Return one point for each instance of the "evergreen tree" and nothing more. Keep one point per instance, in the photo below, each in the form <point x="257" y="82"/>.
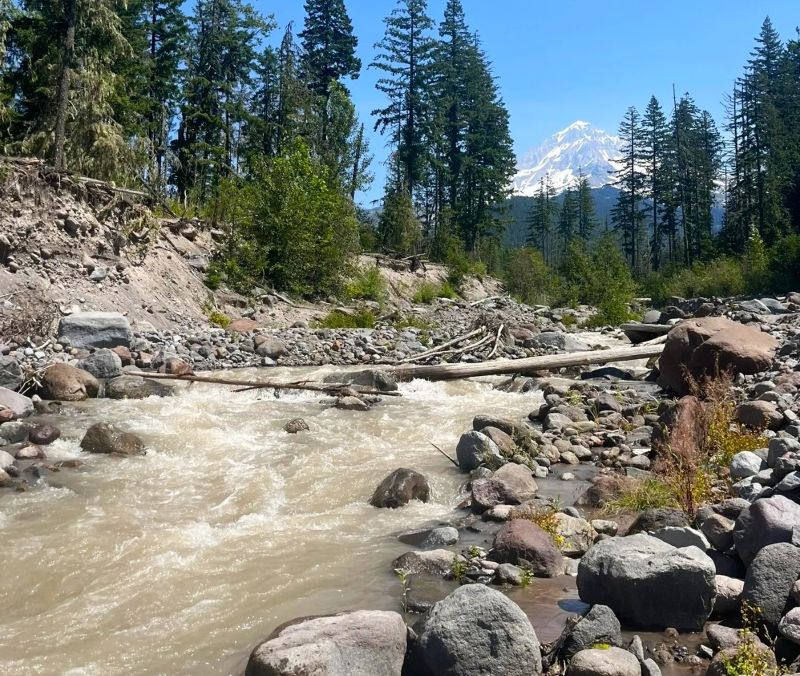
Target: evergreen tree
<point x="587" y="218"/>
<point x="568" y="219"/>
<point x="64" y="84"/>
<point x="404" y="58"/>
<point x="222" y="58"/>
<point x="398" y="227"/>
<point x="540" y="220"/>
<point x="166" y="33"/>
<point x="329" y="46"/>
<point x="627" y="214"/>
<point x="655" y="148"/>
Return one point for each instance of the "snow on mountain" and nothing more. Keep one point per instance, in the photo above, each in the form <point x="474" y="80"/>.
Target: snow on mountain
<point x="579" y="146"/>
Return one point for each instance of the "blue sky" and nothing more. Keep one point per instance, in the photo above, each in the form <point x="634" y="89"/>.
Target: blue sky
<point x="563" y="60"/>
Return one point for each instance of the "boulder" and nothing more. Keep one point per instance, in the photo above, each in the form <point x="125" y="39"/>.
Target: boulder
<point x="136" y="387"/>
<point x="557" y="340"/>
<point x="270" y="347"/>
<point x="296" y="425"/>
<point x="789" y="626"/>
<point x="719" y="665"/>
<point x="438" y="562"/>
<point x="6" y="459"/>
<point x="43" y="435"/>
<point x="745" y="464"/>
<point x="399" y="488"/>
<point x="242" y="326"/>
<point x="758" y="414"/>
<point x="92" y="330"/>
<point x="576" y="535"/>
<point x="510" y="485"/>
<point x="440" y="537"/>
<point x="503" y="441"/>
<point x="351" y="404"/>
<point x="14" y="432"/>
<point x="649" y="583"/>
<point x="477" y="630"/>
<point x="474" y="449"/>
<point x="103" y="364"/>
<point x="372" y="378"/>
<point x="18" y="404"/>
<point x="729" y="595"/>
<point x="731" y="346"/>
<point x="525" y="544"/>
<point x="656" y="518"/>
<point x="599" y="625"/>
<point x="718" y="531"/>
<point x="681" y="536"/>
<point x="11" y="375"/>
<point x="769" y="581"/>
<point x="611" y="661"/>
<point x="359" y="643"/>
<point x="765" y="522"/>
<point x="63" y="382"/>
<point x="780" y="446"/>
<point x="479" y="422"/>
<point x="175" y="366"/>
<point x="106" y="438"/>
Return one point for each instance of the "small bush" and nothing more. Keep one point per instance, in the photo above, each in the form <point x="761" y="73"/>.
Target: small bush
<point x="218" y="318"/>
<point x="641" y="494"/>
<point x="368" y="284"/>
<point x="427" y="292"/>
<point x="544" y="517"/>
<point x="364" y="319"/>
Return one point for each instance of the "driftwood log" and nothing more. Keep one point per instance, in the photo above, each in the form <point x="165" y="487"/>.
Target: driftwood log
<point x="510" y="366"/>
<point x="328" y="388"/>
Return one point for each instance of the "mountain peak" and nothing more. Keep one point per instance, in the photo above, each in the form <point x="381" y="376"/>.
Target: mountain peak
<point x="579" y="147"/>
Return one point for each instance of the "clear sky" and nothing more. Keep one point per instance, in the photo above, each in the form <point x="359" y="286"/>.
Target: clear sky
<point x="563" y="60"/>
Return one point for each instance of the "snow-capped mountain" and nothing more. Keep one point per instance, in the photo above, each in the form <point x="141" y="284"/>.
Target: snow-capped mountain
<point x="579" y="146"/>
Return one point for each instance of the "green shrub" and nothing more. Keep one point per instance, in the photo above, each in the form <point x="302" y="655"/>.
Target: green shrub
<point x="368" y="284"/>
<point x="427" y="292"/>
<point x="528" y="278"/>
<point x="364" y="319"/>
<point x="294" y="229"/>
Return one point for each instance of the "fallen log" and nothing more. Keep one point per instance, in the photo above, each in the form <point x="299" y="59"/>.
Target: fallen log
<point x="639" y="333"/>
<point x="328" y="388"/>
<point x="510" y="366"/>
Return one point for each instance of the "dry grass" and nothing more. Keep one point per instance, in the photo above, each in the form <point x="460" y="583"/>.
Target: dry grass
<point x="31" y="317"/>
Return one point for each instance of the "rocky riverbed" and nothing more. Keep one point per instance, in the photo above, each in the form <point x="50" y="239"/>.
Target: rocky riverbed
<point x="518" y="552"/>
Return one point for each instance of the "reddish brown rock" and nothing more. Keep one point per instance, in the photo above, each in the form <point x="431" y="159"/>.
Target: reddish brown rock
<point x="176" y="366"/>
<point x="700" y="348"/>
<point x="242" y="326"/>
<point x="124" y="354"/>
<point x="63" y="382"/>
<point x="523" y="543"/>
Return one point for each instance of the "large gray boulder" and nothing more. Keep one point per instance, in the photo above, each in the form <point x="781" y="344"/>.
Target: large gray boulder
<point x="604" y="662"/>
<point x="512" y="484"/>
<point x="560" y="341"/>
<point x="437" y="562"/>
<point x="475" y="448"/>
<point x="599" y="625"/>
<point x="103" y="364"/>
<point x="523" y="543"/>
<point x="769" y="581"/>
<point x="648" y="582"/>
<point x="399" y="488"/>
<point x="359" y="643"/>
<point x="763" y="523"/>
<point x="10" y="373"/>
<point x="87" y="330"/>
<point x="477" y="630"/>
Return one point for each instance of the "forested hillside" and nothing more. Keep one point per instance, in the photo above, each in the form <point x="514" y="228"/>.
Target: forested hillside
<point x="221" y="112"/>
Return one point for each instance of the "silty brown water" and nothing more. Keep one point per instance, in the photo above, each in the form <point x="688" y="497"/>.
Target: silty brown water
<point x="180" y="561"/>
